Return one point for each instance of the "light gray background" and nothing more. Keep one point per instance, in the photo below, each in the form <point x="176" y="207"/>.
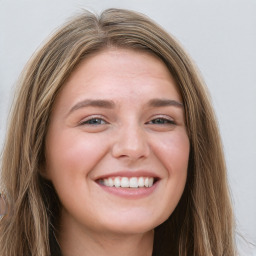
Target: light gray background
<point x="220" y="36"/>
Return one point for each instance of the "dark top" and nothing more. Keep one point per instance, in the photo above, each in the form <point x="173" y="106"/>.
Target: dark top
<point x="160" y="247"/>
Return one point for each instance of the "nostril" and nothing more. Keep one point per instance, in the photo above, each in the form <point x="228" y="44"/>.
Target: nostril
<point x="130" y="151"/>
<point x="130" y="142"/>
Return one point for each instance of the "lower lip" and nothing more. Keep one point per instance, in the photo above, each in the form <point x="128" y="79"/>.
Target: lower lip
<point x="130" y="193"/>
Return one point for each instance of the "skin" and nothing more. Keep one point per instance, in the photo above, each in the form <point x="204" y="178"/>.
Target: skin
<point x="85" y="142"/>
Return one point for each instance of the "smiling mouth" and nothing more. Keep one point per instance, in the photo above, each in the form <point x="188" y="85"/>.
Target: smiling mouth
<point x="128" y="182"/>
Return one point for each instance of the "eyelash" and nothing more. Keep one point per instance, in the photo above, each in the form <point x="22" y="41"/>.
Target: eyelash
<point x="164" y="121"/>
<point x="94" y="121"/>
<point x="91" y="121"/>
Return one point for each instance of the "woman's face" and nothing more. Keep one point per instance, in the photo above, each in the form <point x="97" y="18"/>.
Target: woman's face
<point x="117" y="148"/>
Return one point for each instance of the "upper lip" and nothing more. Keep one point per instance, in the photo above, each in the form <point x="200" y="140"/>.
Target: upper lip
<point x="129" y="173"/>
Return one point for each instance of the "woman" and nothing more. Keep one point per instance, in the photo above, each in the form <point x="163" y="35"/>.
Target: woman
<point x="113" y="148"/>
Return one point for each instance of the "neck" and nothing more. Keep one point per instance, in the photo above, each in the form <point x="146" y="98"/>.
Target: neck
<point x="105" y="244"/>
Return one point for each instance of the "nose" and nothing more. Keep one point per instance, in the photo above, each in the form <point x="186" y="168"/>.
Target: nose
<point x="130" y="143"/>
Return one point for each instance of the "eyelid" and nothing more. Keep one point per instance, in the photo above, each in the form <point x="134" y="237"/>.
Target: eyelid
<point x="91" y="117"/>
<point x="164" y="117"/>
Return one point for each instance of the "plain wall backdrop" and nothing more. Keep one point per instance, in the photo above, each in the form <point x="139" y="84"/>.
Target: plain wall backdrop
<point x="220" y="36"/>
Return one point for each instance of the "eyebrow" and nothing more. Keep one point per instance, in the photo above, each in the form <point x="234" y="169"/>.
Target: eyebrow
<point x="164" y="103"/>
<point x="110" y="104"/>
<point x="93" y="103"/>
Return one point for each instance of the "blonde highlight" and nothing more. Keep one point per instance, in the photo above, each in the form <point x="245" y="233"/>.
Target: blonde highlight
<point x="203" y="220"/>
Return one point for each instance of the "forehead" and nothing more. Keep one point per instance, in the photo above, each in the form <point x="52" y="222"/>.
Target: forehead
<point x="118" y="72"/>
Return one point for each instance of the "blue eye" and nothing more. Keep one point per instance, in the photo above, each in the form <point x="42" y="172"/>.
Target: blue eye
<point x="161" y="121"/>
<point x="94" y="121"/>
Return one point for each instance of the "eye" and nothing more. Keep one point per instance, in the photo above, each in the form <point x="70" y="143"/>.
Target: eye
<point x="94" y="121"/>
<point x="161" y="121"/>
<point x="94" y="124"/>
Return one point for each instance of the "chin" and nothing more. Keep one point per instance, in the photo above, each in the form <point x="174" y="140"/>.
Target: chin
<point x="133" y="224"/>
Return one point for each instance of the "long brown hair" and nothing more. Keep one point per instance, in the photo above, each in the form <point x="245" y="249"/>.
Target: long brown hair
<point x="202" y="223"/>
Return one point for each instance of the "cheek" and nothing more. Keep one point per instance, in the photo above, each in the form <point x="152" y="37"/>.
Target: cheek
<point x="174" y="152"/>
<point x="72" y="154"/>
<point x="70" y="157"/>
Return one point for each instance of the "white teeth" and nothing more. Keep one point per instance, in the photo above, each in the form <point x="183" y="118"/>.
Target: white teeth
<point x="105" y="182"/>
<point x="110" y="182"/>
<point x="141" y="182"/>
<point x="125" y="182"/>
<point x="150" y="182"/>
<point x="117" y="182"/>
<point x="133" y="183"/>
<point x="146" y="182"/>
